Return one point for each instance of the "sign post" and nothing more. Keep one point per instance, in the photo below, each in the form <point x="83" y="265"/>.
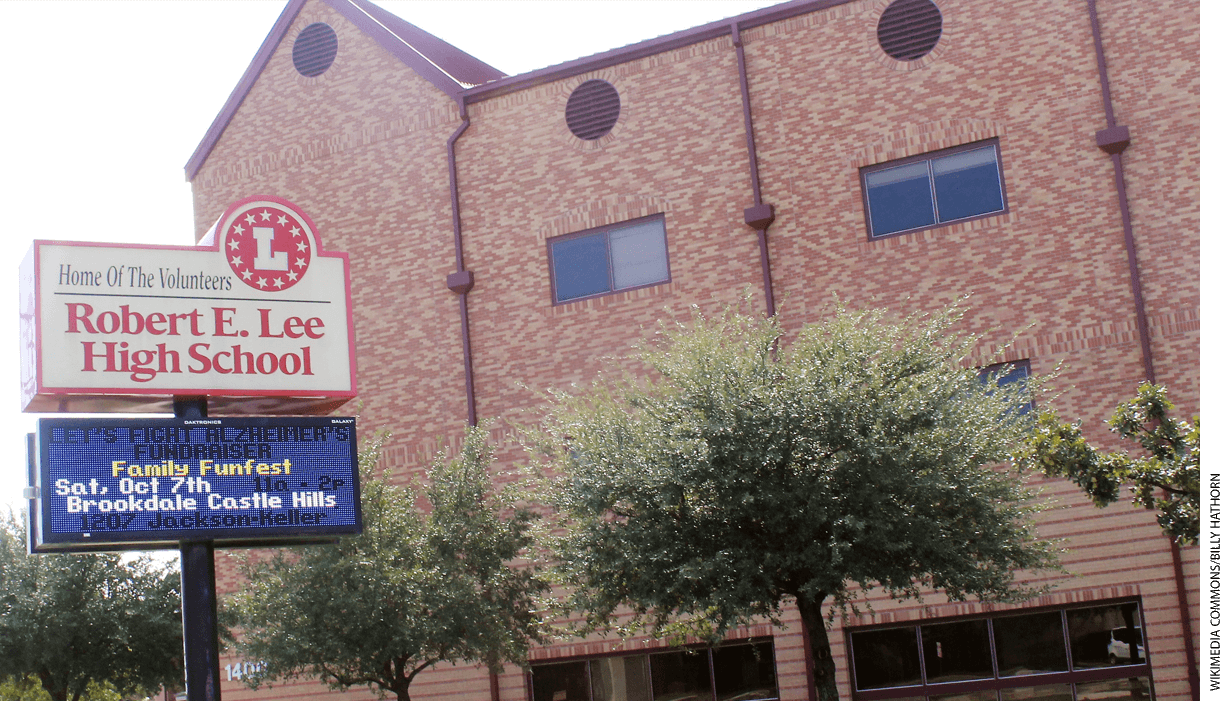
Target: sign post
<point x="198" y="591"/>
<point x="254" y="321"/>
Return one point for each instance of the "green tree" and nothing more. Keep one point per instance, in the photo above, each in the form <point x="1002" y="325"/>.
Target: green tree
<point x="747" y="473"/>
<point x="78" y="622"/>
<point x="30" y="689"/>
<point x="416" y="588"/>
<point x="1170" y="461"/>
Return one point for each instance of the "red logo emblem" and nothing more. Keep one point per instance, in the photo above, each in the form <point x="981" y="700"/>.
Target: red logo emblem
<point x="268" y="246"/>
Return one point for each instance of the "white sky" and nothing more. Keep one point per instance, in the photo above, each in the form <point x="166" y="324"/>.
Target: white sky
<point x="103" y="102"/>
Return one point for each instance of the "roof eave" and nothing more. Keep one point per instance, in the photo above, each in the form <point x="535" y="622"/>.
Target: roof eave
<point x="392" y="33"/>
<point x="645" y="48"/>
<point x="263" y="54"/>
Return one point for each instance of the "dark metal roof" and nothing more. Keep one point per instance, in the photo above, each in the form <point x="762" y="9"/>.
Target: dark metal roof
<point x="448" y="68"/>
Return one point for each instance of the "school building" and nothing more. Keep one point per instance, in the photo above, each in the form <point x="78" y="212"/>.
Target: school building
<point x="507" y="233"/>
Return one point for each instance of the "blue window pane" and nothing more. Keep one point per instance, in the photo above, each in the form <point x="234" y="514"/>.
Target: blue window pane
<point x="899" y="199"/>
<point x="580" y="267"/>
<point x="1010" y="374"/>
<point x="967" y="184"/>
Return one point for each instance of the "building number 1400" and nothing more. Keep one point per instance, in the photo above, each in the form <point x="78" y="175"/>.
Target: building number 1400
<point x="236" y="672"/>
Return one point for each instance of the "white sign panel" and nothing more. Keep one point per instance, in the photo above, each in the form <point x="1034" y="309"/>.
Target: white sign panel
<point x="258" y="319"/>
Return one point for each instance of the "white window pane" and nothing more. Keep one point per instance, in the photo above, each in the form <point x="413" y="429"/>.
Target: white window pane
<point x="638" y="254"/>
<point x="892" y="176"/>
<point x="964" y="161"/>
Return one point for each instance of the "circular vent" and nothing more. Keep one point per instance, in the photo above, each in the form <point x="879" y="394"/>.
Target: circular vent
<point x="909" y="29"/>
<point x="592" y="110"/>
<point x="315" y="49"/>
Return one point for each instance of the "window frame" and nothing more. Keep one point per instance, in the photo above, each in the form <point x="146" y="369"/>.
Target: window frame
<point x="605" y="231"/>
<point x="928" y="157"/>
<point x="996" y="683"/>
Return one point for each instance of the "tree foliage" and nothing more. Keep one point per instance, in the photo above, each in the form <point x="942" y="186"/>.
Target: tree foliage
<point x="1170" y="461"/>
<point x="78" y="622"/>
<point x="416" y="588"/>
<point x="30" y="689"/>
<point x="747" y="473"/>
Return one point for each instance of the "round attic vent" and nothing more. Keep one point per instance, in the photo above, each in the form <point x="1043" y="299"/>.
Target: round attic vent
<point x="909" y="29"/>
<point x="315" y="49"/>
<point x="592" y="110"/>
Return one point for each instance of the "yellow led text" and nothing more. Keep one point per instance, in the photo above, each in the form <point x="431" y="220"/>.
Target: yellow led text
<point x="250" y="467"/>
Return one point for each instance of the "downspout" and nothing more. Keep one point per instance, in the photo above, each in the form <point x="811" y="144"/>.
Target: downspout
<point x="1114" y="139"/>
<point x="760" y="215"/>
<point x="461" y="281"/>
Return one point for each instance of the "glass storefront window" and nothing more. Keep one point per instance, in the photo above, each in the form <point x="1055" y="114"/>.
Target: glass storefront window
<point x="886" y="658"/>
<point x="1047" y="692"/>
<point x="992" y="658"/>
<point x="1105" y="635"/>
<point x="1130" y="689"/>
<point x="566" y="681"/>
<point x="984" y="695"/>
<point x="680" y="676"/>
<point x="957" y="651"/>
<point x="620" y="678"/>
<point x="1030" y="644"/>
<point x="744" y="672"/>
<point x="738" y="671"/>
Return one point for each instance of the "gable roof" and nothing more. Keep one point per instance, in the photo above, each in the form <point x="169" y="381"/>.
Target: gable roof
<point x="448" y="68"/>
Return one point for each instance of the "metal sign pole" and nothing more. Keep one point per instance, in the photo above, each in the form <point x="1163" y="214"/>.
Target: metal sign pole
<point x="199" y="598"/>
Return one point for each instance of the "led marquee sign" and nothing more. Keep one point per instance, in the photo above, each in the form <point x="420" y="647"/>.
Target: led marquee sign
<point x="108" y="484"/>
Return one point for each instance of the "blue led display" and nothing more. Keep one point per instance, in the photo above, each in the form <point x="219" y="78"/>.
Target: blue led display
<point x="148" y="483"/>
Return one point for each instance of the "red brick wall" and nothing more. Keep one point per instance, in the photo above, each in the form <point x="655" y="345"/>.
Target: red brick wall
<point x="362" y="150"/>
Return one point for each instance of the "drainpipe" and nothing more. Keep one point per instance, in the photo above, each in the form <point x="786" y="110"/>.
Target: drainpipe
<point x="1114" y="139"/>
<point x="760" y="215"/>
<point x="461" y="281"/>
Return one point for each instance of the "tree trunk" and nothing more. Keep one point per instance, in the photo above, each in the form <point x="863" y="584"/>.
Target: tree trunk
<point x="823" y="669"/>
<point x="49" y="685"/>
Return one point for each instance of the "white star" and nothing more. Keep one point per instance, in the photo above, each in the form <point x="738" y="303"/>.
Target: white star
<point x="301" y="246"/>
<point x="236" y="261"/>
<point x="239" y="229"/>
<point x="247" y="274"/>
<point x="282" y="219"/>
<point x="279" y="282"/>
<point x="296" y="230"/>
<point x="299" y="262"/>
<point x="292" y="275"/>
<point x="250" y="219"/>
<point x="265" y="215"/>
<point x="233" y="243"/>
<point x="261" y="281"/>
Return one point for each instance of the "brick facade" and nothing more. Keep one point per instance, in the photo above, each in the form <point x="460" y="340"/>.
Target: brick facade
<point x="363" y="149"/>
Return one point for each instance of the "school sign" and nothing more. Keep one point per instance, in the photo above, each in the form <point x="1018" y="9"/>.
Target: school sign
<point x="257" y="319"/>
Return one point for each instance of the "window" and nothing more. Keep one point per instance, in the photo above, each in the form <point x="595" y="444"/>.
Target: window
<point x="1067" y="654"/>
<point x="731" y="672"/>
<point x="1011" y="374"/>
<point x="935" y="189"/>
<point x="608" y="259"/>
